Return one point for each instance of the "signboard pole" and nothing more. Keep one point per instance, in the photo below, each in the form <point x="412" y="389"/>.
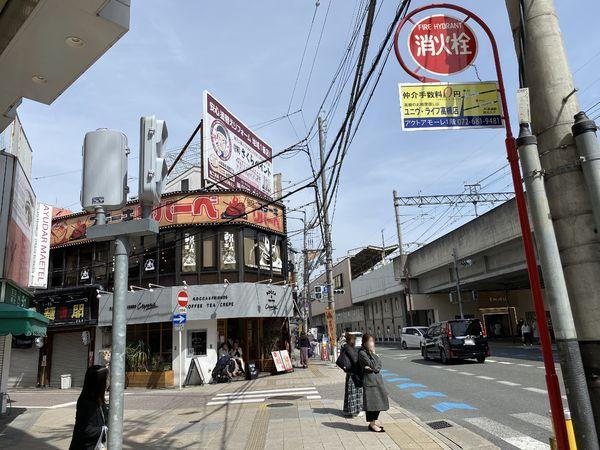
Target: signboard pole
<point x="554" y="395"/>
<point x="180" y="357"/>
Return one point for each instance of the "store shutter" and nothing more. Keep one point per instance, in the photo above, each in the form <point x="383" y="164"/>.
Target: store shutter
<point x="23" y="367"/>
<point x="69" y="356"/>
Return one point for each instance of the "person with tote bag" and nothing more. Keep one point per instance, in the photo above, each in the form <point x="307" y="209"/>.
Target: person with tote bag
<point x="375" y="396"/>
<point x="91" y="415"/>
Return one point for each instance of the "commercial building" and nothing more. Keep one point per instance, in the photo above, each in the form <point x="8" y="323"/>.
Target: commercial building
<point x="233" y="269"/>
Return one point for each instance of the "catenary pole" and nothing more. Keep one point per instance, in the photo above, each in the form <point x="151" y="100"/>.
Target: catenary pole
<point x="457" y="279"/>
<point x="556" y="293"/>
<point x="119" y="331"/>
<point x="554" y="395"/>
<point x="554" y="103"/>
<point x="327" y="234"/>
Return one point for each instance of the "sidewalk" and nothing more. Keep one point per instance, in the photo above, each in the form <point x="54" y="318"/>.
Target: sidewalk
<point x="268" y="413"/>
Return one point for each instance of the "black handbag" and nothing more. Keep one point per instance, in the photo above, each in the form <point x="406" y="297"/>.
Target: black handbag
<point x="343" y="362"/>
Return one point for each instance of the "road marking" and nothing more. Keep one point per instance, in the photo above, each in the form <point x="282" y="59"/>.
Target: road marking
<point x="451" y="370"/>
<point x="536" y="390"/>
<point x="410" y="385"/>
<point x="61" y="405"/>
<point x="313" y="397"/>
<point x="508" y="383"/>
<point x="437" y="367"/>
<point x="275" y="394"/>
<point x="540" y="367"/>
<point x="491" y="360"/>
<point x="395" y="380"/>
<point x="466" y="373"/>
<point x="525" y="365"/>
<point x="425" y="394"/>
<point x="505" y="362"/>
<point x="270" y="391"/>
<point x="483" y="377"/>
<point x="389" y="374"/>
<point x="447" y="406"/>
<point x="535" y="419"/>
<point x="229" y="402"/>
<point x="507" y="434"/>
<point x="400" y="358"/>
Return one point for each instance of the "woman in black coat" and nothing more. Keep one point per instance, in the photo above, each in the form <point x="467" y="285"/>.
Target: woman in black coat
<point x="92" y="413"/>
<point x="353" y="393"/>
<point x="374" y="393"/>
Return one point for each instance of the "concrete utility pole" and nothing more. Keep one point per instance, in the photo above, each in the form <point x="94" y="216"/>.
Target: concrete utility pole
<point x="553" y="105"/>
<point x="326" y="231"/>
<point x="402" y="258"/>
<point x="305" y="274"/>
<point x="557" y="297"/>
<point x="455" y="258"/>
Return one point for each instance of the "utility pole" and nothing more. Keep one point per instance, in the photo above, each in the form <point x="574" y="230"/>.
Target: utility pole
<point x="553" y="106"/>
<point x="455" y="258"/>
<point x="557" y="297"/>
<point x="382" y="248"/>
<point x="327" y="234"/>
<point x="402" y="269"/>
<point x="305" y="273"/>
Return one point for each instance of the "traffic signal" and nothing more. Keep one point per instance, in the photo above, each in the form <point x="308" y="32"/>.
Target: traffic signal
<point x="153" y="167"/>
<point x="104" y="174"/>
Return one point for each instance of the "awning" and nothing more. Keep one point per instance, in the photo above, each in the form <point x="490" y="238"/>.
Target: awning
<point x="18" y="321"/>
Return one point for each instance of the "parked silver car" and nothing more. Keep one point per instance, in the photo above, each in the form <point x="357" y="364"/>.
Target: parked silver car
<point x="413" y="337"/>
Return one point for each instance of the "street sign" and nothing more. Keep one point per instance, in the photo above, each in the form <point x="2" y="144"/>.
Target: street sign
<point x="182" y="310"/>
<point x="450" y="106"/>
<point x="179" y="319"/>
<point x="182" y="298"/>
<point x="442" y="44"/>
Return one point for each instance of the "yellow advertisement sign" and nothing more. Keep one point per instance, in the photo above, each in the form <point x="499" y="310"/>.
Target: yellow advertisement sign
<point x="450" y="106"/>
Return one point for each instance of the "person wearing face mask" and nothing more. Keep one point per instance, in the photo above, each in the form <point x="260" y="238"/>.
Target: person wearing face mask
<point x="375" y="396"/>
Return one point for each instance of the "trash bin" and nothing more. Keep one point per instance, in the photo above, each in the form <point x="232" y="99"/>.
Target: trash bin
<point x="65" y="381"/>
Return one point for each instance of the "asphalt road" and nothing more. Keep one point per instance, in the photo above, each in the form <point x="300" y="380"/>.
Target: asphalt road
<point x="504" y="400"/>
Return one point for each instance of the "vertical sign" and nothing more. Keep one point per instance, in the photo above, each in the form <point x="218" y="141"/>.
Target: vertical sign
<point x="40" y="246"/>
<point x="330" y="326"/>
<point x="229" y="147"/>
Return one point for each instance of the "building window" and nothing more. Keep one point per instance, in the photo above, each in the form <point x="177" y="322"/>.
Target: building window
<point x="197" y="343"/>
<point x="185" y="184"/>
<point x="376" y="311"/>
<point x="188" y="253"/>
<point x="208" y="251"/>
<point x="338" y="281"/>
<point x="228" y="254"/>
<point x="250" y="246"/>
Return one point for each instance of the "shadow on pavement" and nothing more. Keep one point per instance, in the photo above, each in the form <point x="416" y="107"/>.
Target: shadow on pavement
<point x="332" y="411"/>
<point x="14" y="437"/>
<point x="346" y="426"/>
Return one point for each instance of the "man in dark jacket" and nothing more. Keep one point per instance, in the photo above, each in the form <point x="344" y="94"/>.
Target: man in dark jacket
<point x="304" y="345"/>
<point x="375" y="395"/>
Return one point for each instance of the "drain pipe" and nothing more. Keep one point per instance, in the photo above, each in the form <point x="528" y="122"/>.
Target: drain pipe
<point x="557" y="297"/>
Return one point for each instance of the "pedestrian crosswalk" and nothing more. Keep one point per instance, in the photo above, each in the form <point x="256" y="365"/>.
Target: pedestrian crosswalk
<point x="259" y="396"/>
<point x="512" y="436"/>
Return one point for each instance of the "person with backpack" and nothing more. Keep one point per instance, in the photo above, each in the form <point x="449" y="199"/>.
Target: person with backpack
<point x="353" y="392"/>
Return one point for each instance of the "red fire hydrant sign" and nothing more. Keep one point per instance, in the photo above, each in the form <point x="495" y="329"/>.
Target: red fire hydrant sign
<point x="442" y="44"/>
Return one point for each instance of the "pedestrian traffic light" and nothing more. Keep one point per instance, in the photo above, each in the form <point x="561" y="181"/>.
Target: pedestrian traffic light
<point x="104" y="174"/>
<point x="153" y="167"/>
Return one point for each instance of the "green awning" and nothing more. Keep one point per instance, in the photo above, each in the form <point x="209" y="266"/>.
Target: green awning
<point x="18" y="321"/>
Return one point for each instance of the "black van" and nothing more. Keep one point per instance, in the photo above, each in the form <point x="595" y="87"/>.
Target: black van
<point x="456" y="339"/>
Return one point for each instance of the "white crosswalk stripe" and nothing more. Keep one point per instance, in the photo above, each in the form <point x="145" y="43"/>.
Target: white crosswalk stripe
<point x="507" y="434"/>
<point x="535" y="419"/>
<point x="259" y="396"/>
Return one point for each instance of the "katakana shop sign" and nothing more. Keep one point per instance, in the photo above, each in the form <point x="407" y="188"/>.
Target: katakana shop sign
<point x="442" y="44"/>
<point x="63" y="312"/>
<point x="230" y="147"/>
<point x="450" y="106"/>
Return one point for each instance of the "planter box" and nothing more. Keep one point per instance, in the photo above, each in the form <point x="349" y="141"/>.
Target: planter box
<point x="150" y="379"/>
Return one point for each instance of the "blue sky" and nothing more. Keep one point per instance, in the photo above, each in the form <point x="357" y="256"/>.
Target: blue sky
<point x="247" y="54"/>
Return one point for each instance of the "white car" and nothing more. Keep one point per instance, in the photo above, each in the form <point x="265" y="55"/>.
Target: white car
<point x="413" y="337"/>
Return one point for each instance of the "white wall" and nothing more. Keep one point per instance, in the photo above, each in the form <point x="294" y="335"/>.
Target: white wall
<point x="206" y="362"/>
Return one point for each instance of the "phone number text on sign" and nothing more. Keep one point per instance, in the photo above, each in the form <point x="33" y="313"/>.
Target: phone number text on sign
<point x="442" y="106"/>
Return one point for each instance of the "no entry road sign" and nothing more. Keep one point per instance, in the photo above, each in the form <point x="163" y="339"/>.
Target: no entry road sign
<point x="182" y="298"/>
<point x="442" y="44"/>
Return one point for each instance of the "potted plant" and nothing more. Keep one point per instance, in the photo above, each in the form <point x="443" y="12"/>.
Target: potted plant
<point x="145" y="370"/>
